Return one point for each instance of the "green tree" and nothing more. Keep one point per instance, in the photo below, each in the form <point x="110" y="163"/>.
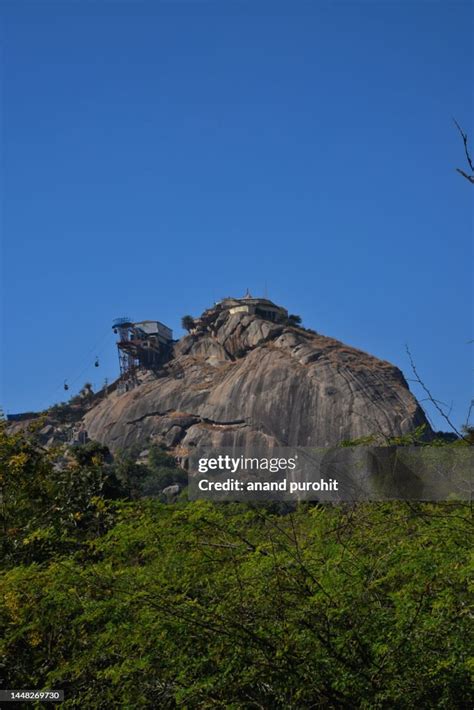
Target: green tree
<point x="91" y="453"/>
<point x="187" y="322"/>
<point x="294" y="320"/>
<point x="138" y="604"/>
<point x="207" y="605"/>
<point x="51" y="501"/>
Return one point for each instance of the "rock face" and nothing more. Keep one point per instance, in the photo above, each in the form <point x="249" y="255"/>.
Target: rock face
<point x="240" y="380"/>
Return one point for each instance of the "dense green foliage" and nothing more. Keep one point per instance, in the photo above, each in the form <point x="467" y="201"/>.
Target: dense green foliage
<point x="150" y="477"/>
<point x="139" y="604"/>
<point x="187" y="323"/>
<point x="294" y="319"/>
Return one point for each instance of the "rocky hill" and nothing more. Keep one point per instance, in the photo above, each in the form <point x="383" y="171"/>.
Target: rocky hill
<point x="241" y="380"/>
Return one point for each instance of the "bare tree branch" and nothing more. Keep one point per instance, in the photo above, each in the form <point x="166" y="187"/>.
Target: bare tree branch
<point x="470" y="177"/>
<point x="469" y="411"/>
<point x="430" y="396"/>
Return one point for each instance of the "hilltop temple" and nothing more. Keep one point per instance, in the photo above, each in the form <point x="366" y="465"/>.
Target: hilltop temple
<point x="262" y="307"/>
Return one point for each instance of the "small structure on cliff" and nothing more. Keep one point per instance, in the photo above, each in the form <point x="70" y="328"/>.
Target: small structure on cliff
<point x="262" y="307"/>
<point x="145" y="344"/>
<point x="247" y="305"/>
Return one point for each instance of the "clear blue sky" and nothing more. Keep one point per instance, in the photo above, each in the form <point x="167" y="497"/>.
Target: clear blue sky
<point x="158" y="156"/>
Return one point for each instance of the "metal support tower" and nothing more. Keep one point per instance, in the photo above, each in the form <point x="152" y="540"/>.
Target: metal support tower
<point x="128" y="363"/>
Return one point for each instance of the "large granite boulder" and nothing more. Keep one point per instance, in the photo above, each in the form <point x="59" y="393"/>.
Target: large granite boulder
<point x="240" y="380"/>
